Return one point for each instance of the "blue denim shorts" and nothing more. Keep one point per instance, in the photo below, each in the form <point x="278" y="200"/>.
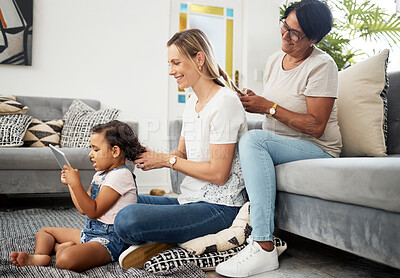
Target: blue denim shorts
<point x="105" y="235"/>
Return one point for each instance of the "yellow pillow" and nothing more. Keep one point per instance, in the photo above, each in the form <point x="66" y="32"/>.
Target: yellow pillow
<point x="362" y="107"/>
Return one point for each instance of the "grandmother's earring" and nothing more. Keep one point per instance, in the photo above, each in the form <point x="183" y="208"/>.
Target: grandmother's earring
<point x="200" y="68"/>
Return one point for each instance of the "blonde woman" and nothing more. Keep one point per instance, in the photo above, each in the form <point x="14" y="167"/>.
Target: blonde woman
<point x="213" y="190"/>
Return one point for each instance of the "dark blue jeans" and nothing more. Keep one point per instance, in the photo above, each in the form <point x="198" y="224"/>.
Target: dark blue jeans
<point x="163" y="219"/>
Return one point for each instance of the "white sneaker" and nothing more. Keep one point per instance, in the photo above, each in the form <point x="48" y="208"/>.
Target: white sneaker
<point x="136" y="255"/>
<point x="251" y="260"/>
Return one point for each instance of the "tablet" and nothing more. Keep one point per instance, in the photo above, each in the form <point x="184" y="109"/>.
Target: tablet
<point x="60" y="157"/>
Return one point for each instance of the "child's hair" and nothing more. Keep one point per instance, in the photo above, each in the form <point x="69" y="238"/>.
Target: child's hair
<point x="120" y="134"/>
<point x="191" y="41"/>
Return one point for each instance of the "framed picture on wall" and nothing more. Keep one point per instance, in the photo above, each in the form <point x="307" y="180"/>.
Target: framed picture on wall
<point x="16" y="32"/>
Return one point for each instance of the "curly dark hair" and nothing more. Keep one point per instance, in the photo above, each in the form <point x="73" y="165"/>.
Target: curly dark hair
<point x="120" y="134"/>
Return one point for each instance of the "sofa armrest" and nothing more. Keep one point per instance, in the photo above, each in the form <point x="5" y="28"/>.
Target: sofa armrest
<point x="174" y="133"/>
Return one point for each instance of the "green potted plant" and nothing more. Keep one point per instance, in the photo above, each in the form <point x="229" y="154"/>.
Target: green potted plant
<point x="367" y="21"/>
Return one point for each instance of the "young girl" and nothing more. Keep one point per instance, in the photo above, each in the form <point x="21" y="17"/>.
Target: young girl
<point x="113" y="188"/>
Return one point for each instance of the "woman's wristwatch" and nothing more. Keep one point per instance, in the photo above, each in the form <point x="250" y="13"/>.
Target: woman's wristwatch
<point x="172" y="161"/>
<point x="272" y="110"/>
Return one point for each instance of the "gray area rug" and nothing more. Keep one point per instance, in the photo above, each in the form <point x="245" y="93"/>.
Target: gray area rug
<point x="17" y="233"/>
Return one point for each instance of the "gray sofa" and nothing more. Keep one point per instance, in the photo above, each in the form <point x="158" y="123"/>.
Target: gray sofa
<point x="351" y="203"/>
<point x="29" y="170"/>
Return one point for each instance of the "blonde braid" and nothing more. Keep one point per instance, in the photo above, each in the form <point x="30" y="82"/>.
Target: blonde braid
<point x="228" y="80"/>
<point x="190" y="42"/>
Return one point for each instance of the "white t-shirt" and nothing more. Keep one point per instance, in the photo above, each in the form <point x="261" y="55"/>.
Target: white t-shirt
<point x="317" y="76"/>
<point x="221" y="121"/>
<point x="122" y="181"/>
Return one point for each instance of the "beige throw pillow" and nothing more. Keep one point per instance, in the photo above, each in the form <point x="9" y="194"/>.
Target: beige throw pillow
<point x="9" y="106"/>
<point x="42" y="133"/>
<point x="361" y="107"/>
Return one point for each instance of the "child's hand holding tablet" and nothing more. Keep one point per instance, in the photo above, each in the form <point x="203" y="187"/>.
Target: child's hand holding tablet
<point x="60" y="157"/>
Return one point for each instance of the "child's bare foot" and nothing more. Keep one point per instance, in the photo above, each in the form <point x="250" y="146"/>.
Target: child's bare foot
<point x="25" y="259"/>
<point x="60" y="247"/>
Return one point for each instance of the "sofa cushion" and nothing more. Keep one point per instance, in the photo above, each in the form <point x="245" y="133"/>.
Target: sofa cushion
<point x="48" y="108"/>
<point x="393" y="140"/>
<point x="366" y="181"/>
<point x="12" y="129"/>
<point x="42" y="133"/>
<point x="78" y="123"/>
<point x="9" y="106"/>
<point x="23" y="158"/>
<point x="362" y="107"/>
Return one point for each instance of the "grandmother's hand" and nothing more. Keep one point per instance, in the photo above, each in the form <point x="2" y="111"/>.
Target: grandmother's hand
<point x="253" y="103"/>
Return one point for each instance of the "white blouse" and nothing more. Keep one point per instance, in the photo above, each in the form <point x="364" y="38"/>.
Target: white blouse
<point x="221" y="121"/>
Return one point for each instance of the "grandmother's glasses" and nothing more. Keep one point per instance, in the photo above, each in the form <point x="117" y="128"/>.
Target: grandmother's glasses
<point x="294" y="35"/>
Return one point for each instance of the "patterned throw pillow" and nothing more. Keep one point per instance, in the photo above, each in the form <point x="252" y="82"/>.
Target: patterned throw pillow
<point x="9" y="106"/>
<point x="175" y="257"/>
<point x="225" y="239"/>
<point x="12" y="129"/>
<point x="42" y="133"/>
<point x="78" y="122"/>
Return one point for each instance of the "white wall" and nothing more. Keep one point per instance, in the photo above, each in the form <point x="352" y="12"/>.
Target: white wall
<point x="109" y="50"/>
<point x="261" y="39"/>
<point x="115" y="51"/>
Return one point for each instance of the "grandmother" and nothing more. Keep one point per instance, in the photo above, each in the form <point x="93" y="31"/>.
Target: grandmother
<point x="300" y="89"/>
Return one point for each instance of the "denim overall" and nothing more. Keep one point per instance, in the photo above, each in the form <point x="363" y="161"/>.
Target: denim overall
<point x="103" y="233"/>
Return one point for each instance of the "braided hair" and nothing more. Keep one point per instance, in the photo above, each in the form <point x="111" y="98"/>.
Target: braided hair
<point x="191" y="41"/>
